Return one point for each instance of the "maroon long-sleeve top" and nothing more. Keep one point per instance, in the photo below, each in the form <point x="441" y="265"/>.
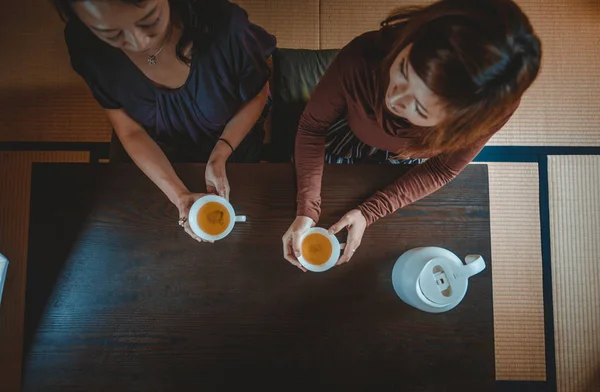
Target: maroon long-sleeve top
<point x="350" y="87"/>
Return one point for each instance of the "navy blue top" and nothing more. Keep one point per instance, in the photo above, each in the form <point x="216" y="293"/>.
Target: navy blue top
<point x="231" y="70"/>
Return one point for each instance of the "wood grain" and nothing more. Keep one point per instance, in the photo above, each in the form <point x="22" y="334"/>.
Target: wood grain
<point x="118" y="295"/>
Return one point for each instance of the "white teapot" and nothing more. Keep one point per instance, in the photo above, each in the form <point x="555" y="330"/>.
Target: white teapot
<point x="433" y="279"/>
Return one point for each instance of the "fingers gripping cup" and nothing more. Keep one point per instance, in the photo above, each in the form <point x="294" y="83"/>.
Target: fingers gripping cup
<point x="212" y="218"/>
<point x="320" y="250"/>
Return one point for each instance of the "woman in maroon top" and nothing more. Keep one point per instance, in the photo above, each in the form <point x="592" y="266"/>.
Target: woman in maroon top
<point x="433" y="84"/>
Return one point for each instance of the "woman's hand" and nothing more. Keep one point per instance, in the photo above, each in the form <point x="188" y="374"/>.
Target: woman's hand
<point x="292" y="249"/>
<point x="216" y="178"/>
<point x="184" y="203"/>
<point x="356" y="224"/>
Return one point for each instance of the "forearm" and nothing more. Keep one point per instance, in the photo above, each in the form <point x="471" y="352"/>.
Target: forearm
<point x="421" y="181"/>
<point x="327" y="105"/>
<point x="148" y="156"/>
<point x="309" y="160"/>
<point x="417" y="183"/>
<point x="239" y="126"/>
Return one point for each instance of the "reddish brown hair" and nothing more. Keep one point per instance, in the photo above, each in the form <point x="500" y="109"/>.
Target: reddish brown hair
<point x="479" y="56"/>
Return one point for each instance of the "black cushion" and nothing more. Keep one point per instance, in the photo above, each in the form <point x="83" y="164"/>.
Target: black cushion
<point x="296" y="74"/>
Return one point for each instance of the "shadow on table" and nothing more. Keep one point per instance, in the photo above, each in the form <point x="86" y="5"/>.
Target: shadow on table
<point x="297" y="329"/>
<point x="54" y="228"/>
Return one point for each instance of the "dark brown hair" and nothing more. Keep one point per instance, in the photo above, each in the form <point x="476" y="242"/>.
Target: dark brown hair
<point x="198" y="27"/>
<point x="479" y="56"/>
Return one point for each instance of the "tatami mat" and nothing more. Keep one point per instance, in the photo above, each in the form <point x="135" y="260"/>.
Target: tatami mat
<point x="517" y="280"/>
<point x="514" y="209"/>
<point x="41" y="98"/>
<point x="562" y="108"/>
<point x="52" y="115"/>
<point x="15" y="182"/>
<point x="517" y="277"/>
<point x="574" y="186"/>
<point x="342" y="20"/>
<point x="295" y="23"/>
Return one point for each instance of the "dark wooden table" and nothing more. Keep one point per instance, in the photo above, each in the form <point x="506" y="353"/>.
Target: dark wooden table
<point x="119" y="298"/>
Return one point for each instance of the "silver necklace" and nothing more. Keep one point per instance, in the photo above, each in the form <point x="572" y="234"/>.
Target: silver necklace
<point x="152" y="57"/>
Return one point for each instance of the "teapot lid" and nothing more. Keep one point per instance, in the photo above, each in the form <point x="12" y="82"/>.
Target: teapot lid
<point x="440" y="282"/>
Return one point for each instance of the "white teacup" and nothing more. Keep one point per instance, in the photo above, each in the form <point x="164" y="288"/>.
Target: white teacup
<point x="195" y="210"/>
<point x="335" y="251"/>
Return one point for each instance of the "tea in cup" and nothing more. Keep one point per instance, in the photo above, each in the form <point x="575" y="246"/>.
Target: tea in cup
<point x="212" y="218"/>
<point x="319" y="250"/>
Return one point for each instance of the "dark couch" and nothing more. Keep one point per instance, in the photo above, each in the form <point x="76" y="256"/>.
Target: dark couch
<point x="296" y="74"/>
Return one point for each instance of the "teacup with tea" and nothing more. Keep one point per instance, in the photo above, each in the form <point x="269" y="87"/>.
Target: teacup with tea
<point x="212" y="218"/>
<point x="319" y="250"/>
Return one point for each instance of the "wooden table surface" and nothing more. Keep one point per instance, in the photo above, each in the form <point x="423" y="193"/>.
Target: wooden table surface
<point x="120" y="298"/>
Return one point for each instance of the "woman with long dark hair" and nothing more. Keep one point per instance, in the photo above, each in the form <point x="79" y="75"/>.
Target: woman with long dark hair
<point x="430" y="88"/>
<point x="181" y="80"/>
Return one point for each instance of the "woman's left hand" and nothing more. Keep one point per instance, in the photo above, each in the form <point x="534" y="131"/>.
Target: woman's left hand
<point x="216" y="178"/>
<point x="356" y="224"/>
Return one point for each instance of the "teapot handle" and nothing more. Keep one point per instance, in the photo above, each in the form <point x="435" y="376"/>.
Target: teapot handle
<point x="474" y="265"/>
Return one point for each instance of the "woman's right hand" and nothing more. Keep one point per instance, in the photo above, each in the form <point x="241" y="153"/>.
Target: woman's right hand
<point x="292" y="248"/>
<point x="184" y="203"/>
